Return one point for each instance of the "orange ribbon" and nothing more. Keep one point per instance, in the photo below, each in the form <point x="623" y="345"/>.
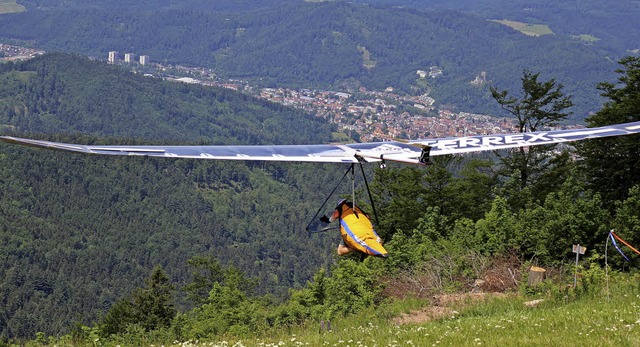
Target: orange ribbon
<point x="624" y="242"/>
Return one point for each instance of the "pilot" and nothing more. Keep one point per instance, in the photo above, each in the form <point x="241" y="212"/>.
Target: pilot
<point x="356" y="230"/>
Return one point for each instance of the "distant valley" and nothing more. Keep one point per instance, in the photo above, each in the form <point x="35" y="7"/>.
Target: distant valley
<point x="334" y="46"/>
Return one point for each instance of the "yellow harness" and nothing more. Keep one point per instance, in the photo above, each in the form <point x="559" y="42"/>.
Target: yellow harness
<point x="357" y="231"/>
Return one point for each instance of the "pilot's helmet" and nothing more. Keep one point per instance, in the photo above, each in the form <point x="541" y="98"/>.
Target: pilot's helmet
<point x="340" y="202"/>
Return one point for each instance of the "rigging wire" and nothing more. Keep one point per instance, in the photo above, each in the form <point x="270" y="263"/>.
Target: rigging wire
<point x="366" y="183"/>
<point x="325" y="202"/>
<point x="353" y="197"/>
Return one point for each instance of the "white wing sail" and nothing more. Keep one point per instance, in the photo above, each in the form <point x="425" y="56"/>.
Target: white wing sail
<point x="493" y="142"/>
<point x="406" y="152"/>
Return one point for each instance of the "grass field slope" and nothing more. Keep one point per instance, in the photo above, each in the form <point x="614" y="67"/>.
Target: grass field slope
<point x="10" y="6"/>
<point x="601" y="311"/>
<point x="595" y="319"/>
<point x="527" y="28"/>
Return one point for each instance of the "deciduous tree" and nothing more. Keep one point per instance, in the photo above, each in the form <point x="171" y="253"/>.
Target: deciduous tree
<point x="541" y="105"/>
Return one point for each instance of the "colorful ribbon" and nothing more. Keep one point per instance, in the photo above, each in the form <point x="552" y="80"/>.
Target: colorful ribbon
<point x="613" y="235"/>
<point x="613" y="241"/>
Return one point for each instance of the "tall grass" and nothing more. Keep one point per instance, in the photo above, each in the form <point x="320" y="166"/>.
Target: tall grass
<point x="590" y="315"/>
<point x="594" y="318"/>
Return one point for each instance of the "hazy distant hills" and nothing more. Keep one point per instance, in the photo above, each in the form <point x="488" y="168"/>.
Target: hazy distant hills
<point x="612" y="23"/>
<point x="329" y="44"/>
<point x="200" y="5"/>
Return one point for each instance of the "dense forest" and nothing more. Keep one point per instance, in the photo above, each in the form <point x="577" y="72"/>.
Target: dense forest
<point x="79" y="232"/>
<point x="327" y="45"/>
<point x="202" y="5"/>
<point x="610" y="23"/>
<point x="71" y="94"/>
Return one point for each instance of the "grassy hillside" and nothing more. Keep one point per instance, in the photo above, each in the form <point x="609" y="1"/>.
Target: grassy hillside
<point x="606" y="314"/>
<point x="526" y="28"/>
<point x="592" y="320"/>
<point x="10" y="6"/>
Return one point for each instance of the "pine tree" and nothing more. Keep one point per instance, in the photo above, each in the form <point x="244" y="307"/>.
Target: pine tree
<point x="612" y="165"/>
<point x="150" y="307"/>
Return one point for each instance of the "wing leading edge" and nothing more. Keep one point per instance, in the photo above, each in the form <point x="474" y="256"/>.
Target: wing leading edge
<point x="406" y="152"/>
<point x="467" y="144"/>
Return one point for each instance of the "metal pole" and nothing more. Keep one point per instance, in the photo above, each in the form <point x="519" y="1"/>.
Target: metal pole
<point x="353" y="187"/>
<point x="606" y="263"/>
<point x="575" y="275"/>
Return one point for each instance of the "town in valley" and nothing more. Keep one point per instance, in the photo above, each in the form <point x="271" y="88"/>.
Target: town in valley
<point x="362" y="115"/>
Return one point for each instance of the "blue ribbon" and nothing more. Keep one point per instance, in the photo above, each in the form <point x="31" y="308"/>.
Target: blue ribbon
<point x="613" y="240"/>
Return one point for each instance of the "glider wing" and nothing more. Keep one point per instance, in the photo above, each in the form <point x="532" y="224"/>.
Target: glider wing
<point x="467" y="144"/>
<point x="407" y="152"/>
<point x="303" y="153"/>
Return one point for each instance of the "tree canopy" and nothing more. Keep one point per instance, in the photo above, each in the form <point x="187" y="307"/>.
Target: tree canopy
<point x="542" y="105"/>
<point x="96" y="226"/>
<point x="612" y="165"/>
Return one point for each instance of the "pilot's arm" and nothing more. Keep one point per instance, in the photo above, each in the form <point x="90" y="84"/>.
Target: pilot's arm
<point x="335" y="215"/>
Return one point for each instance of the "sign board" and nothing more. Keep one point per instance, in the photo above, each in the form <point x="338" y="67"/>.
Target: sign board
<point x="579" y="249"/>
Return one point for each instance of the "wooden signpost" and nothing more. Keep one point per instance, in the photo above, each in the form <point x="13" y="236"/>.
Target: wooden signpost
<point x="577" y="249"/>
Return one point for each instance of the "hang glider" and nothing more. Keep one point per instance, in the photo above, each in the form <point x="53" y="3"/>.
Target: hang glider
<point x="413" y="151"/>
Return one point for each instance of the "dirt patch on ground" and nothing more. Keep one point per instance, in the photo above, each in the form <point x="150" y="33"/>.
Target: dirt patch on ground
<point x="424" y="315"/>
<point x="444" y="306"/>
<point x="463" y="299"/>
<point x="434" y="276"/>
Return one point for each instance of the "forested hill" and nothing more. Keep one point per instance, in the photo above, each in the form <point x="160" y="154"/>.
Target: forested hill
<point x="63" y="93"/>
<point x="328" y="45"/>
<point x="202" y="5"/>
<point x="609" y="25"/>
<point x="79" y="232"/>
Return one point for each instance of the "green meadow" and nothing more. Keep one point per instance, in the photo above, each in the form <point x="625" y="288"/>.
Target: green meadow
<point x="526" y="28"/>
<point x="10" y="6"/>
<point x="594" y="320"/>
<point x="590" y="315"/>
<point x="586" y="38"/>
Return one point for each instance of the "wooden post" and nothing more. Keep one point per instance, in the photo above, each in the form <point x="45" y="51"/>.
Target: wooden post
<point x="325" y="325"/>
<point x="536" y="276"/>
<point x="577" y="249"/>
